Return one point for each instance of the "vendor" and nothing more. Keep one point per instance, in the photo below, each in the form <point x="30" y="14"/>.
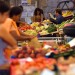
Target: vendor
<point x="5" y="39"/>
<point x="38" y="15"/>
<point x="58" y="17"/>
<point x="15" y="14"/>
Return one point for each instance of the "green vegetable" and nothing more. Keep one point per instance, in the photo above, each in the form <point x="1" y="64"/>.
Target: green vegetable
<point x="60" y="26"/>
<point x="31" y="32"/>
<point x="51" y="28"/>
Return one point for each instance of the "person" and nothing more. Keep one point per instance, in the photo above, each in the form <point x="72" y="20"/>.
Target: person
<point x="5" y="39"/>
<point x="15" y="14"/>
<point x="21" y="7"/>
<point x="38" y="15"/>
<point x="58" y="15"/>
<point x="19" y="23"/>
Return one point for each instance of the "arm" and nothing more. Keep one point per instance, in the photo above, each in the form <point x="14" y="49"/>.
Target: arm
<point x="54" y="21"/>
<point x="58" y="20"/>
<point x="20" y="37"/>
<point x="8" y="37"/>
<point x="22" y="33"/>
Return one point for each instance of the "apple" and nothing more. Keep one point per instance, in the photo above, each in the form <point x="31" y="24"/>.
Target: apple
<point x="43" y="52"/>
<point x="32" y="48"/>
<point x="24" y="48"/>
<point x="26" y="55"/>
<point x="32" y="55"/>
<point x="20" y="55"/>
<point x="15" y="62"/>
<point x="38" y="55"/>
<point x="29" y="51"/>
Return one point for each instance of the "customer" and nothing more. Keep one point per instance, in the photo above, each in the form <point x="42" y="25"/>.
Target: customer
<point x="38" y="15"/>
<point x="15" y="14"/>
<point x="5" y="39"/>
<point x="58" y="15"/>
<point x="21" y="7"/>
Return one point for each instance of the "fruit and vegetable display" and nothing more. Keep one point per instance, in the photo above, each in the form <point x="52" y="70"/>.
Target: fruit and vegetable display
<point x="50" y="57"/>
<point x="68" y="22"/>
<point x="67" y="13"/>
<point x="31" y="32"/>
<point x="31" y="51"/>
<point x="31" y="61"/>
<point x="28" y="66"/>
<point x="43" y="28"/>
<point x="51" y="28"/>
<point x="25" y="27"/>
<point x="32" y="66"/>
<point x="44" y="58"/>
<point x="35" y="49"/>
<point x="46" y="27"/>
<point x="66" y="65"/>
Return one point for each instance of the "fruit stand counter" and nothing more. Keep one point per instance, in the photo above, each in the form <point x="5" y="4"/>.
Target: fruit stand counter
<point x="47" y="58"/>
<point x="57" y="39"/>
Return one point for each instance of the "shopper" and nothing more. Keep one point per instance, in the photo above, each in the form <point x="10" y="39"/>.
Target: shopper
<point x="38" y="15"/>
<point x="58" y="15"/>
<point x="15" y="14"/>
<point x="5" y="39"/>
<point x="21" y="7"/>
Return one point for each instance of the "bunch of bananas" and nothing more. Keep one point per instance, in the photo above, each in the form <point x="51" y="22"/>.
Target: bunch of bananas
<point x="67" y="13"/>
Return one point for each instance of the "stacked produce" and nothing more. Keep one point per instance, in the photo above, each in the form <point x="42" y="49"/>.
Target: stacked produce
<point x="68" y="22"/>
<point x="43" y="51"/>
<point x="31" y="32"/>
<point x="66" y="65"/>
<point x="33" y="66"/>
<point x="41" y="28"/>
<point x="46" y="27"/>
<point x="25" y="27"/>
<point x="33" y="61"/>
<point x="31" y="51"/>
<point x="29" y="66"/>
<point x="67" y="13"/>
<point x="51" y="28"/>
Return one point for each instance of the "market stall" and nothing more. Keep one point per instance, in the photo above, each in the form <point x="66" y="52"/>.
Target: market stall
<point x="49" y="52"/>
<point x="45" y="53"/>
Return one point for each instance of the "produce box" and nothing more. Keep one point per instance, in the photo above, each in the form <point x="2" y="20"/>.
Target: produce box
<point x="31" y="66"/>
<point x="68" y="17"/>
<point x="49" y="35"/>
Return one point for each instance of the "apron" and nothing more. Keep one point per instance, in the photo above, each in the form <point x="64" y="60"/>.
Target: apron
<point x="3" y="45"/>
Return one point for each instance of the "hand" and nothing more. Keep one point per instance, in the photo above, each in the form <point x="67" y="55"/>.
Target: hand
<point x="30" y="37"/>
